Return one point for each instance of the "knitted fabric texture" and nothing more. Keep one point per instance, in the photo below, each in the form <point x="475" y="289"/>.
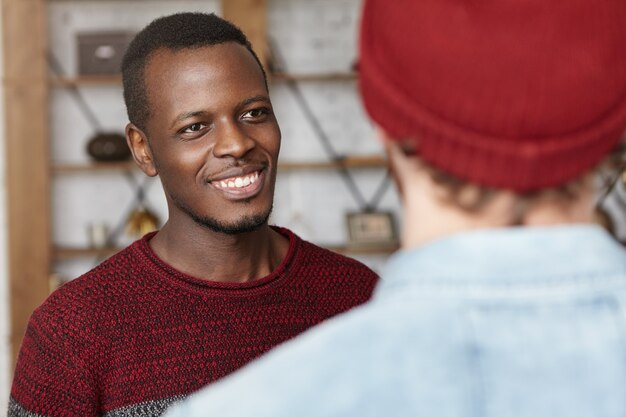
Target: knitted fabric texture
<point x="134" y="335"/>
<point x="521" y="95"/>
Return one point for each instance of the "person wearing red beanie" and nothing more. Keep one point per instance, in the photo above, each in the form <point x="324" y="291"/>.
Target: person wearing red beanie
<point x="506" y="299"/>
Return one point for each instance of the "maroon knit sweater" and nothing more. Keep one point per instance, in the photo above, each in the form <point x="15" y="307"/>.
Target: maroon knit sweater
<point x="133" y="335"/>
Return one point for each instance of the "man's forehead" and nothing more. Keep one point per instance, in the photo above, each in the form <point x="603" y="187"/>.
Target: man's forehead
<point x="166" y="64"/>
<point x="194" y="53"/>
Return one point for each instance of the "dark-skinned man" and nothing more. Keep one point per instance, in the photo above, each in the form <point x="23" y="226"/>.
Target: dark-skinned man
<point x="216" y="286"/>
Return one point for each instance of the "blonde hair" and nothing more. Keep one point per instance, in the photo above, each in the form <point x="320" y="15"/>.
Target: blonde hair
<point x="472" y="198"/>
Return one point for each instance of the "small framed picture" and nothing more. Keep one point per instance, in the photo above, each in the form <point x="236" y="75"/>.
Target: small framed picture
<point x="371" y="228"/>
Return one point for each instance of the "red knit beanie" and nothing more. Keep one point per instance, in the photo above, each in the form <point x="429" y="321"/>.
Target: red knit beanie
<point x="517" y="94"/>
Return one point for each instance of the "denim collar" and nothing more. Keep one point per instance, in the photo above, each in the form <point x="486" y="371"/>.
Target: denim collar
<point x="508" y="256"/>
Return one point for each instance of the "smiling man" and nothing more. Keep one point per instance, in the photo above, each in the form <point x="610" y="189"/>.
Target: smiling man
<point x="216" y="286"/>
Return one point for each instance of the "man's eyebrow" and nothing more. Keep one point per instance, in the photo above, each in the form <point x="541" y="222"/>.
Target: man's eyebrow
<point x="254" y="99"/>
<point x="187" y="115"/>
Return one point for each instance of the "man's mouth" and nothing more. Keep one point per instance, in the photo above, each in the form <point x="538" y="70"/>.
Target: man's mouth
<point x="234" y="183"/>
<point x="240" y="187"/>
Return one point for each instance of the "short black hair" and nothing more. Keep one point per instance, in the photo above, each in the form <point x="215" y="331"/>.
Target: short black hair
<point x="177" y="31"/>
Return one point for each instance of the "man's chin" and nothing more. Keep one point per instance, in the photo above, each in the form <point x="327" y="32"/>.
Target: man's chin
<point x="244" y="225"/>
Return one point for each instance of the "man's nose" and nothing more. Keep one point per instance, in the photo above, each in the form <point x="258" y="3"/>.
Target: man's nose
<point x="232" y="140"/>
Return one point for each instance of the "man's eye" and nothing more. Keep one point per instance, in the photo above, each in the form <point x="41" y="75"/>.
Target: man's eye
<point x="196" y="127"/>
<point x="255" y="113"/>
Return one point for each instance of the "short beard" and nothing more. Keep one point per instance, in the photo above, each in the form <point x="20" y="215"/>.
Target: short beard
<point x="245" y="224"/>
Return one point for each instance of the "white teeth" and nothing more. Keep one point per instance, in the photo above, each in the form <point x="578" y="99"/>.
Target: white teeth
<point x="238" y="182"/>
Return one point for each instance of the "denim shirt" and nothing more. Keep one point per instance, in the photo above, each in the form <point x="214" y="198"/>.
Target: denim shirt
<point x="504" y="322"/>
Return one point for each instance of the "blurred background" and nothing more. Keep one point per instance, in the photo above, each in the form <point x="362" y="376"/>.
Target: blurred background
<point x="69" y="195"/>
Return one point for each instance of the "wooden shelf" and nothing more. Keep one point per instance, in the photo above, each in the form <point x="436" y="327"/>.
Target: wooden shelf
<point x="330" y="76"/>
<point x="94" y="167"/>
<point x="86" y="80"/>
<point x="351" y="162"/>
<point x="112" y="80"/>
<point x="364" y="249"/>
<point x="65" y="253"/>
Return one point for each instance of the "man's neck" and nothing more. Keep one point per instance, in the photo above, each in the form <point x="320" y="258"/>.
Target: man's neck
<point x="427" y="218"/>
<point x="205" y="254"/>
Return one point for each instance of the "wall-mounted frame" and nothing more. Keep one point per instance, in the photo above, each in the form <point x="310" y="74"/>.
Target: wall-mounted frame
<point x="371" y="229"/>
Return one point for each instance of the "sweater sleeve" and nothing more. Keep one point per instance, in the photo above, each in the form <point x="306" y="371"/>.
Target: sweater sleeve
<point x="52" y="377"/>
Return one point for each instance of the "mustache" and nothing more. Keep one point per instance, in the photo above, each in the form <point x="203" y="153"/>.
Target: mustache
<point x="238" y="167"/>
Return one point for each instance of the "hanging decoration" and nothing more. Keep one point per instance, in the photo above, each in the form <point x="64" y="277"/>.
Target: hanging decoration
<point x="368" y="226"/>
<point x="103" y="146"/>
<point x="106" y="146"/>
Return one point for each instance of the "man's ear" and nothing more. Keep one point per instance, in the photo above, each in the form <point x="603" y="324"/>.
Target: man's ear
<point x="401" y="166"/>
<point x="140" y="148"/>
<point x="401" y="154"/>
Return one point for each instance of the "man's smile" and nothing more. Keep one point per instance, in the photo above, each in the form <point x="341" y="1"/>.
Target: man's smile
<point x="240" y="186"/>
<point x="237" y="182"/>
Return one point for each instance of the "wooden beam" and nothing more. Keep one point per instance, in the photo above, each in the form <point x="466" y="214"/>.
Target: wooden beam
<point x="251" y="17"/>
<point x="26" y="134"/>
